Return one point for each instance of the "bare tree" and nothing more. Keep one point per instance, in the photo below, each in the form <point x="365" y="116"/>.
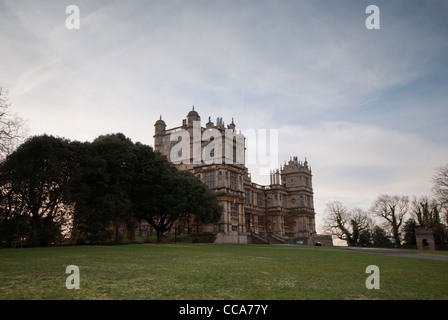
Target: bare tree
<point x="440" y="188"/>
<point x="426" y="211"/>
<point x="393" y="209"/>
<point x="344" y="223"/>
<point x="359" y="221"/>
<point x="12" y="127"/>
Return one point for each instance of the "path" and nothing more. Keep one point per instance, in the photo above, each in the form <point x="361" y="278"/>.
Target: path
<point x="400" y="253"/>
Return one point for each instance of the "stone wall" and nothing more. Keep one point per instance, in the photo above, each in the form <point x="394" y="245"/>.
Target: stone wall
<point x="425" y="239"/>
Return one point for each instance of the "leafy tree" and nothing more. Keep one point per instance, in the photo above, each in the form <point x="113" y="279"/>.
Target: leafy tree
<point x="365" y="238"/>
<point x="380" y="238"/>
<point x="34" y="180"/>
<point x="376" y="237"/>
<point x="13" y="227"/>
<point x="51" y="187"/>
<point x="409" y="232"/>
<point x="118" y="152"/>
<point x="102" y="188"/>
<point x="163" y="195"/>
<point x="91" y="218"/>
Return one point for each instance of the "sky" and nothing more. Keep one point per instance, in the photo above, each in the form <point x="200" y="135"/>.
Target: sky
<point x="367" y="108"/>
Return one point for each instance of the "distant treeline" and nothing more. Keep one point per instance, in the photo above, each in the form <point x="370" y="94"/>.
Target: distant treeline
<point x="391" y="222"/>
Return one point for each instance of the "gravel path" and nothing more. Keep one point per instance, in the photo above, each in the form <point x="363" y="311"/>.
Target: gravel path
<point x="401" y="253"/>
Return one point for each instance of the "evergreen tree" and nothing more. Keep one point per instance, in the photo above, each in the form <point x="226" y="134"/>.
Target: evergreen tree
<point x="163" y="195"/>
<point x="409" y="232"/>
<point x="34" y="181"/>
<point x="380" y="238"/>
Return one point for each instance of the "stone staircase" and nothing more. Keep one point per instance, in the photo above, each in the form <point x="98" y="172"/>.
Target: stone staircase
<point x="271" y="239"/>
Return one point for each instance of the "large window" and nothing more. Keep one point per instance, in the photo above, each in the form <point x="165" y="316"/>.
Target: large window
<point x="234" y="210"/>
<point x="261" y="221"/>
<point x="259" y="199"/>
<point x="247" y="196"/>
<point x="285" y="223"/>
<point x="209" y="179"/>
<point x="233" y="180"/>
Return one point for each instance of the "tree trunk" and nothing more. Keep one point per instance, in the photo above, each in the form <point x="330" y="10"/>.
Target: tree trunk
<point x="159" y="236"/>
<point x="117" y="233"/>
<point x="397" y="237"/>
<point x="35" y="230"/>
<point x="130" y="231"/>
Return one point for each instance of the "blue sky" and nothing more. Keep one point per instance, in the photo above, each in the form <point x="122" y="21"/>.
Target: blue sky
<point x="368" y="108"/>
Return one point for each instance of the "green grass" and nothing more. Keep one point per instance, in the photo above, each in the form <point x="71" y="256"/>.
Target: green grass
<point x="189" y="271"/>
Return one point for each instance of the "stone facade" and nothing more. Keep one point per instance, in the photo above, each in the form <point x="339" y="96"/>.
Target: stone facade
<point x="282" y="212"/>
<point x="425" y="239"/>
<point x="285" y="208"/>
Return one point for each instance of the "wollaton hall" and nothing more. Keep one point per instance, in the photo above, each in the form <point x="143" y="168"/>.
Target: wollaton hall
<point x="282" y="212"/>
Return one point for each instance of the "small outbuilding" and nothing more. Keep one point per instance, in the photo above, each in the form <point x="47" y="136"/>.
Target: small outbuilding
<point x="425" y="239"/>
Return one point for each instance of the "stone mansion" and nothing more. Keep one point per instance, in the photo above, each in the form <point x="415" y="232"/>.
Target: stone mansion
<point x="281" y="212"/>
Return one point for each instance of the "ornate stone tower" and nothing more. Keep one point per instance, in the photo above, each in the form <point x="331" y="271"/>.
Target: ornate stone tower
<point x="297" y="178"/>
<point x="159" y="133"/>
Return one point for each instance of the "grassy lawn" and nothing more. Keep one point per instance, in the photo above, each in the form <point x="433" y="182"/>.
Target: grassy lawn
<point x="207" y="271"/>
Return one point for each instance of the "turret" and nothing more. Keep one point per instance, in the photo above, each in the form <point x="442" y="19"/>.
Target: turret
<point x="192" y="116"/>
<point x="296" y="174"/>
<point x="160" y="127"/>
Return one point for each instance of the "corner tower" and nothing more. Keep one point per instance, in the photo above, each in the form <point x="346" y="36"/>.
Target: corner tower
<point x="159" y="133"/>
<point x="192" y="116"/>
<point x="297" y="177"/>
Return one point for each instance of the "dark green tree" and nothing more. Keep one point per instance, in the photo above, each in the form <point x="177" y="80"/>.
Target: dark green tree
<point x="163" y="195"/>
<point x="365" y="238"/>
<point x="380" y="238"/>
<point x="118" y="152"/>
<point x="102" y="189"/>
<point x="409" y="232"/>
<point x="88" y="188"/>
<point x="34" y="180"/>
